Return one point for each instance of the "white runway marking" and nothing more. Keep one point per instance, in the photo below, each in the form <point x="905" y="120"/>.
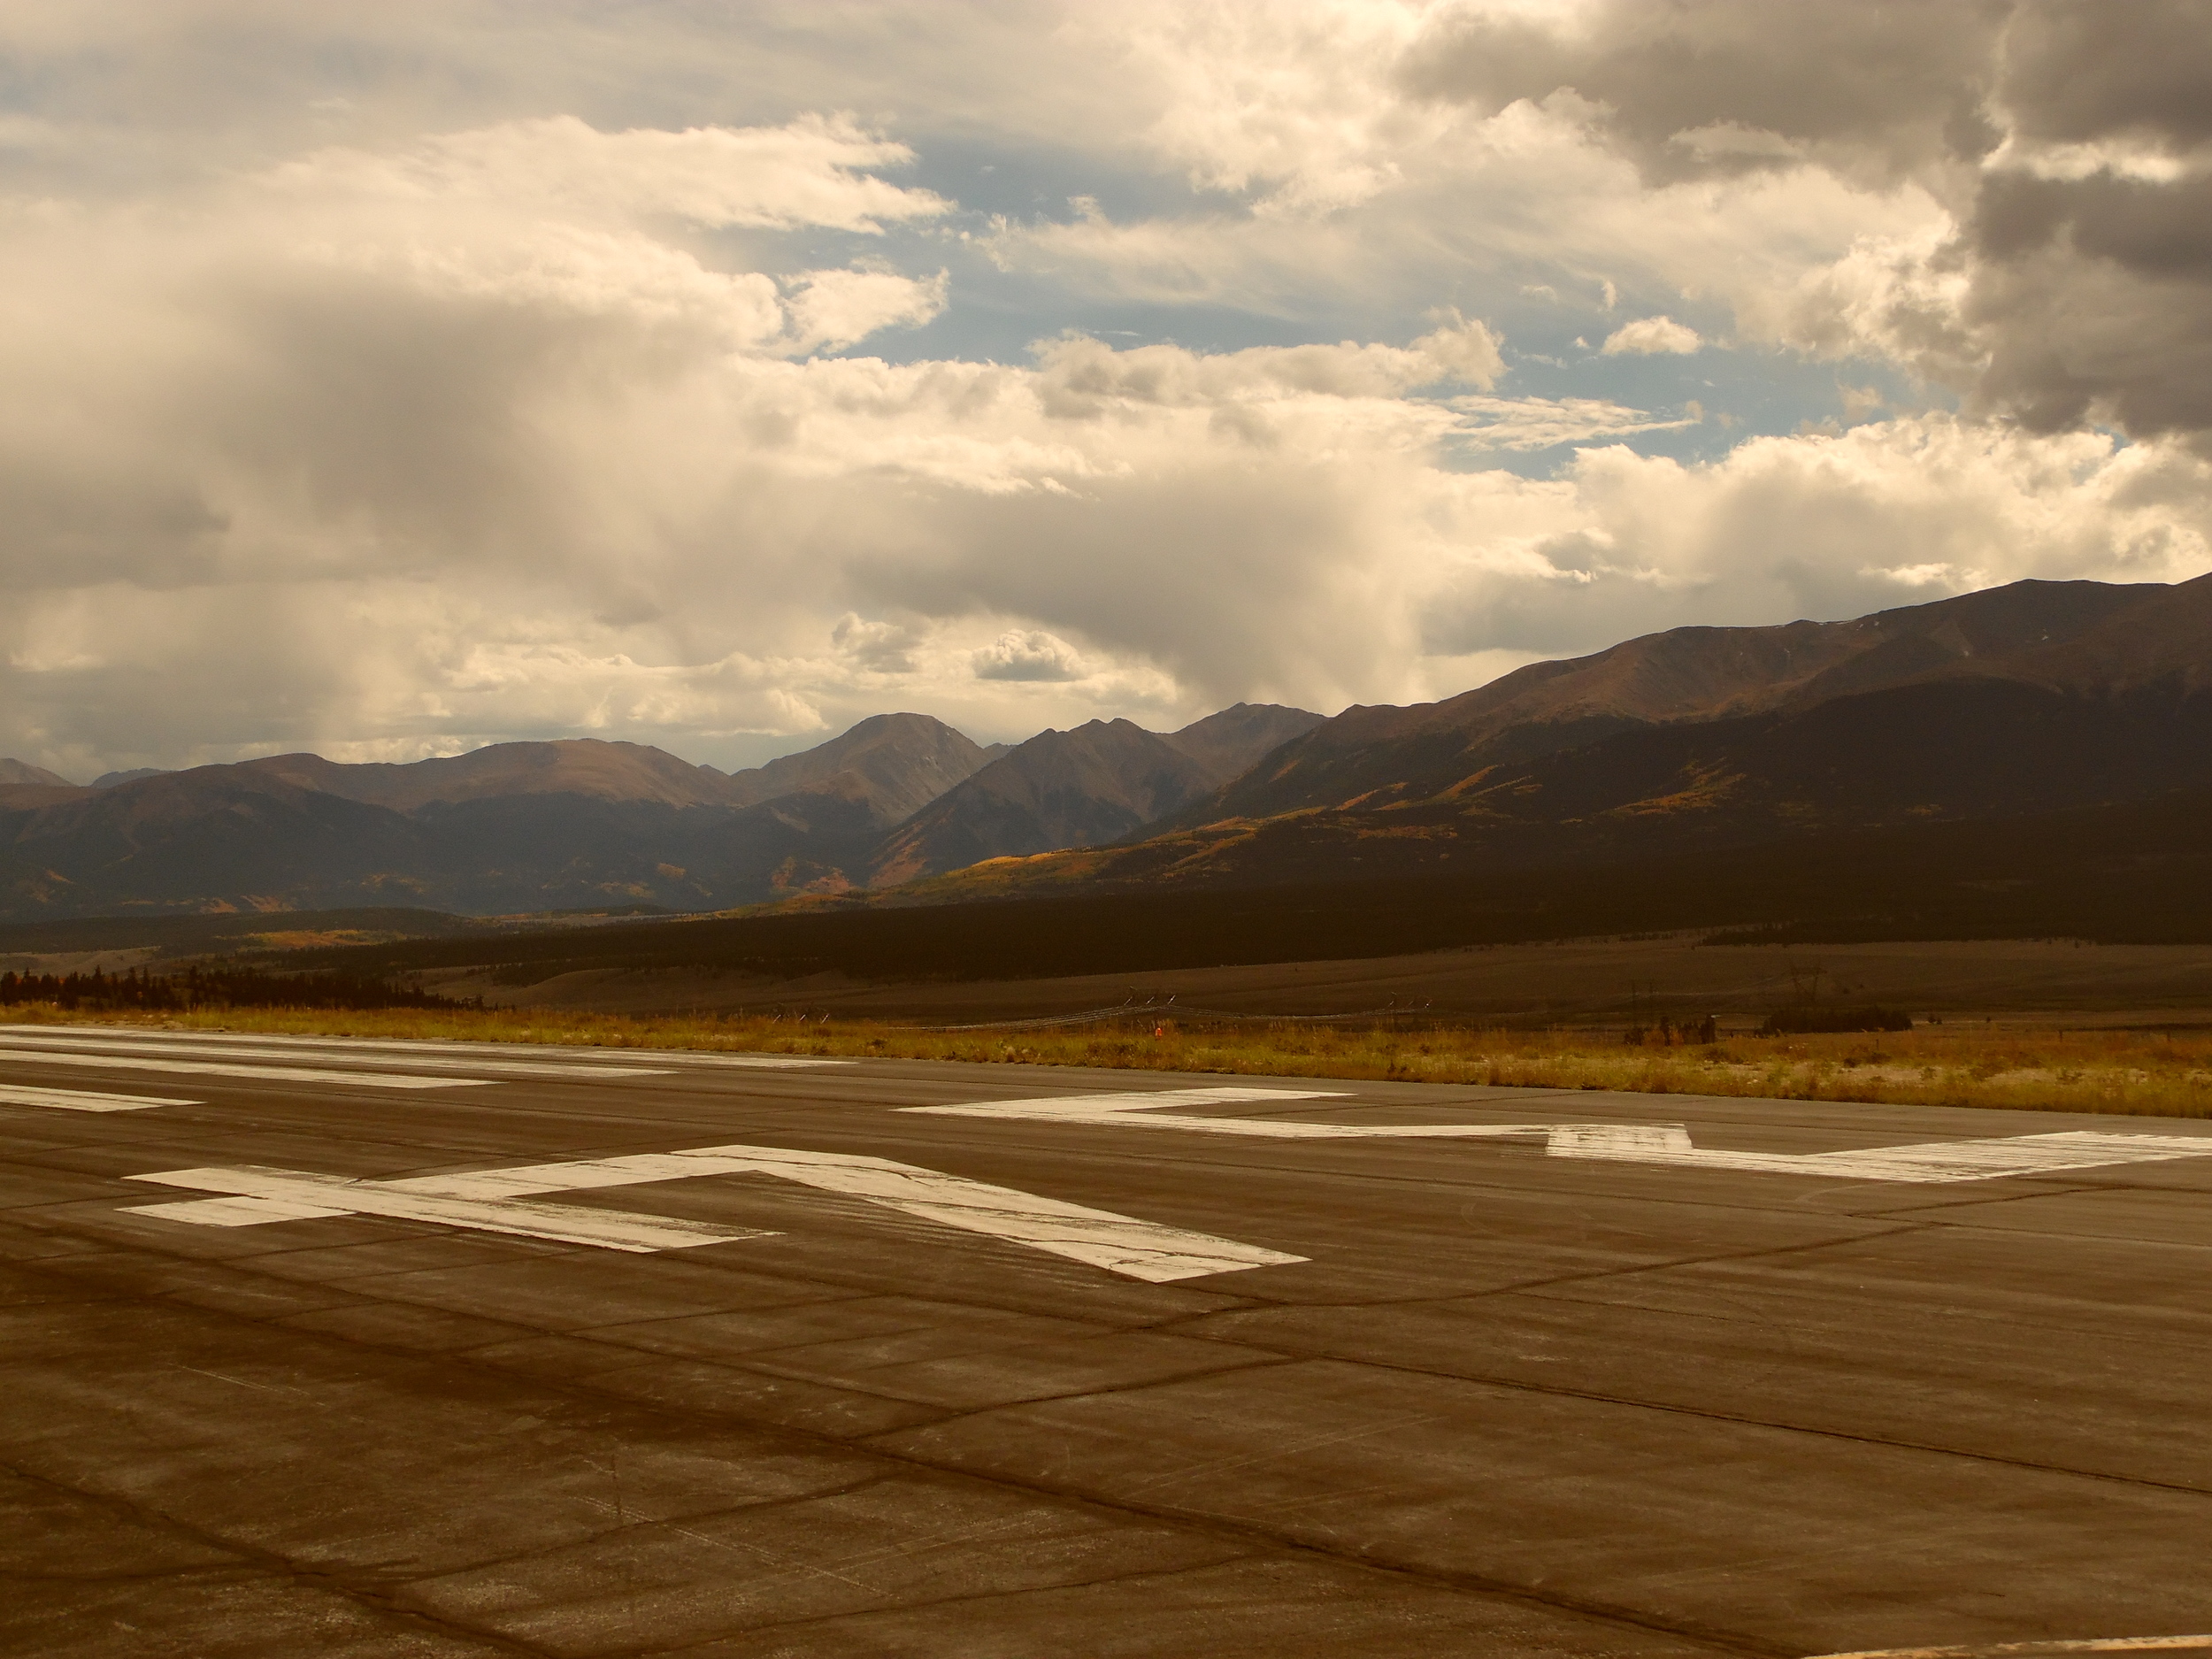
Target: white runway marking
<point x="273" y="1074"/>
<point x="1121" y="1244"/>
<point x="192" y="1046"/>
<point x="458" y="1052"/>
<point x="1665" y="1144"/>
<point x="81" y="1100"/>
<point x="1931" y="1162"/>
<point x="1123" y="1111"/>
<point x="495" y="1200"/>
<point x="2026" y="1649"/>
<point x="264" y="1195"/>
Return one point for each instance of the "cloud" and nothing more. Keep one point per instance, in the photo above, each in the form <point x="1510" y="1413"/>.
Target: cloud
<point x="1727" y="87"/>
<point x="1544" y="423"/>
<point x="814" y="171"/>
<point x="399" y="384"/>
<point x="1028" y="654"/>
<point x="842" y="308"/>
<point x="2068" y="280"/>
<point x="1892" y="513"/>
<point x="1651" y="336"/>
<point x="2092" y="267"/>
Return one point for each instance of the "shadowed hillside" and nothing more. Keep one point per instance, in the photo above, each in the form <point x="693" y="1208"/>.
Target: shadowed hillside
<point x="1082" y="788"/>
<point x="2021" y="701"/>
<point x="2035" y="697"/>
<point x="1685" y="674"/>
<point x="514" y="827"/>
<point x="2139" y="873"/>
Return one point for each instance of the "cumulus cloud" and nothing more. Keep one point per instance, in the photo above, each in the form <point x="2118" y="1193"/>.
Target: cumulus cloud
<point x="2092" y="280"/>
<point x="2067" y="279"/>
<point x="442" y="418"/>
<point x="1652" y="337"/>
<point x="814" y="171"/>
<point x="1727" y="87"/>
<point x="1028" y="654"/>
<point x="1890" y="513"/>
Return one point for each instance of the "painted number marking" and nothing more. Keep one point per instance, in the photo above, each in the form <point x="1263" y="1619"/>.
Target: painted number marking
<point x="502" y="1201"/>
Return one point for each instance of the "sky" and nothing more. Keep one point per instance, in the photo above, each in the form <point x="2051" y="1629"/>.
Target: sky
<point x="389" y="380"/>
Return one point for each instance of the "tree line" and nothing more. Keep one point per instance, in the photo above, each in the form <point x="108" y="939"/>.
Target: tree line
<point x="210" y="988"/>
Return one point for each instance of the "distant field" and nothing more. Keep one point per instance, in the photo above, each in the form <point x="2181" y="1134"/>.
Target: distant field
<point x="1583" y="981"/>
<point x="2155" y="1074"/>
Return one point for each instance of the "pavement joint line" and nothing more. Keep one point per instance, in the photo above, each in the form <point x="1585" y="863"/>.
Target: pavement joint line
<point x="1738" y="1420"/>
<point x="1604" y="1274"/>
<point x="252" y="1558"/>
<point x="1214" y="1525"/>
<point x="631" y="1523"/>
<point x="1255" y="1538"/>
<point x="936" y="1603"/>
<point x="1990" y="1231"/>
<point x="1521" y="1285"/>
<point x="1266" y="1360"/>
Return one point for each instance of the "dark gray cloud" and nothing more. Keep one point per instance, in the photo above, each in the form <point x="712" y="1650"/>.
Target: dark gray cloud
<point x="2073" y="137"/>
<point x="2091" y="243"/>
<point x="2078" y="70"/>
<point x="1697" y="88"/>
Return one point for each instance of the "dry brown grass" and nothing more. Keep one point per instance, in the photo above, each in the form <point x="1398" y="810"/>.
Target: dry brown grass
<point x="2134" y="1071"/>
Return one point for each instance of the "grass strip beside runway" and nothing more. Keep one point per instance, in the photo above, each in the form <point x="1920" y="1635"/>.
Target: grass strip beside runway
<point x="2145" y="1072"/>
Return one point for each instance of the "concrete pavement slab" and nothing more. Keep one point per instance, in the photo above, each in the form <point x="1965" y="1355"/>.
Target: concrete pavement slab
<point x="1509" y="1403"/>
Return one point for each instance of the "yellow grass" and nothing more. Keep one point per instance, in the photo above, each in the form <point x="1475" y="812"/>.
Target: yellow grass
<point x="2144" y="1073"/>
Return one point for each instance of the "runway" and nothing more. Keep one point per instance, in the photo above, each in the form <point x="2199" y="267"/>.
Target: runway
<point x="434" y="1349"/>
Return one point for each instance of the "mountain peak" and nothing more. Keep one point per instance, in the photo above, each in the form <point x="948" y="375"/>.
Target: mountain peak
<point x="896" y="763"/>
<point x="22" y="773"/>
<point x="588" y="766"/>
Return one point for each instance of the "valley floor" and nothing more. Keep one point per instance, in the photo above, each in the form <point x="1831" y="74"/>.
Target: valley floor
<point x="1605" y="981"/>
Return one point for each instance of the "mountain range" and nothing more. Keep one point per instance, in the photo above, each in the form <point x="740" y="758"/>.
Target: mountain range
<point x="584" y="824"/>
<point x="2034" y="698"/>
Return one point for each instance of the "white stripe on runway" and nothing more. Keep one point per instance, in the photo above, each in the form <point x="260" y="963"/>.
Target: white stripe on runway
<point x="192" y="1046"/>
<point x="1665" y="1144"/>
<point x="267" y="1073"/>
<point x="2035" y="1649"/>
<point x="266" y="1195"/>
<point x="1116" y="1109"/>
<point x="81" y="1100"/>
<point x="1931" y="1162"/>
<point x="457" y="1051"/>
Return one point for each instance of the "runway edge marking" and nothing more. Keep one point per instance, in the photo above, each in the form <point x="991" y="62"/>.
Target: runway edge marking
<point x="2025" y="1649"/>
<point x="1664" y="1144"/>
<point x="192" y="1049"/>
<point x="268" y="1073"/>
<point x="499" y="1200"/>
<point x="82" y="1100"/>
<point x="452" y="1049"/>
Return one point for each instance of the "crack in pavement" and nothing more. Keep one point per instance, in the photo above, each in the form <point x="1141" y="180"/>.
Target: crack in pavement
<point x="381" y="1602"/>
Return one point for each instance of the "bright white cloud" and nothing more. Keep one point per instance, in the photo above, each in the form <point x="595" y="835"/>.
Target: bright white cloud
<point x="1028" y="654"/>
<point x="1652" y="337"/>
<point x="428" y="409"/>
<point x="812" y="171"/>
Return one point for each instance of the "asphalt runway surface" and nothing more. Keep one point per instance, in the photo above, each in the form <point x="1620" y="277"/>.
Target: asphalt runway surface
<point x="437" y="1350"/>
